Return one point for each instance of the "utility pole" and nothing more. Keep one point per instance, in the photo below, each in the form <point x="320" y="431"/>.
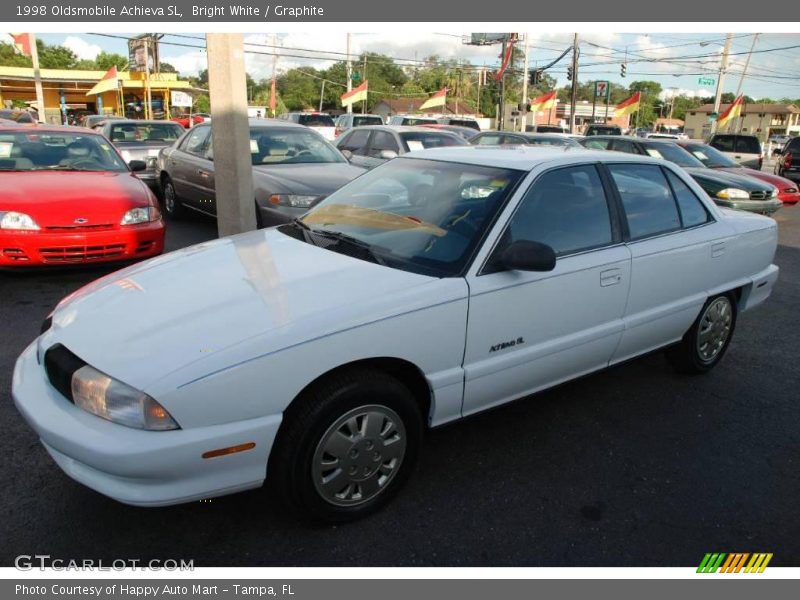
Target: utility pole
<point x="364" y="78"/>
<point x="37" y="78"/>
<point x="321" y="95"/>
<point x="349" y="73"/>
<point x="523" y="112"/>
<point x="723" y="65"/>
<point x="273" y="98"/>
<point x="230" y="131"/>
<point x="744" y="74"/>
<point x="574" y="97"/>
<point x="148" y="99"/>
<point x="501" y="117"/>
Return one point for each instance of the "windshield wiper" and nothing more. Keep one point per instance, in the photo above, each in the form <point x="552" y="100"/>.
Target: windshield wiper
<point x="63" y="168"/>
<point x="366" y="248"/>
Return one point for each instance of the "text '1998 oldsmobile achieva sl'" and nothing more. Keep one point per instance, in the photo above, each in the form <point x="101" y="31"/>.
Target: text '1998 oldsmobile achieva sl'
<point x="314" y="354"/>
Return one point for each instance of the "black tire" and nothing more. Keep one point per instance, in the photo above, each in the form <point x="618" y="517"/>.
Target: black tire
<point x="686" y="356"/>
<point x="309" y="420"/>
<point x="173" y="207"/>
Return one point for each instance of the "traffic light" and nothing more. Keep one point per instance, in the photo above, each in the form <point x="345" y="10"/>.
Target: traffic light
<point x="569" y="73"/>
<point x="622" y="68"/>
<point x="535" y="76"/>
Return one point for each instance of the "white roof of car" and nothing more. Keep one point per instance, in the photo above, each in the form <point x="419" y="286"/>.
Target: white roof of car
<point x="525" y="158"/>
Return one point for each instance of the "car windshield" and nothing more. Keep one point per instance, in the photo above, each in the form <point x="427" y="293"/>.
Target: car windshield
<point x="271" y="145"/>
<point x="549" y="141"/>
<point x="423" y="216"/>
<point x="57" y="151"/>
<point x="464" y="123"/>
<point x="711" y="157"/>
<point x="600" y="130"/>
<point x="316" y="121"/>
<point x="416" y="121"/>
<point x="146" y="132"/>
<point x="420" y="140"/>
<point x="672" y="153"/>
<point x="359" y="120"/>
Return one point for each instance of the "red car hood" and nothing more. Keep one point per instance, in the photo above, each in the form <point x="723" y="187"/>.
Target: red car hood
<point x="779" y="182"/>
<point x="60" y="197"/>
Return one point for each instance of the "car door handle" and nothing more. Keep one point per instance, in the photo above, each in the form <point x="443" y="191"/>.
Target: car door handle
<point x="202" y="173"/>
<point x="717" y="249"/>
<point x="610" y="277"/>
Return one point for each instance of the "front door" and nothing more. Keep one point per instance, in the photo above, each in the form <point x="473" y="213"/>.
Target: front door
<point x="529" y="330"/>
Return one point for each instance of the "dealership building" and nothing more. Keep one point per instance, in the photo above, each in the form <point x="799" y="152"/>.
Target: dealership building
<point x="67" y="91"/>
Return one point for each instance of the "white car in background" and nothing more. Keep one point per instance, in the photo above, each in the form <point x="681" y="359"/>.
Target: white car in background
<point x="440" y="284"/>
<point x="322" y="122"/>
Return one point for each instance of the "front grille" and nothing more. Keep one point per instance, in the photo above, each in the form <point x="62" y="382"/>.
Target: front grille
<point x="93" y="227"/>
<point x="144" y="246"/>
<point x="67" y="254"/>
<point x="60" y="364"/>
<point x="761" y="195"/>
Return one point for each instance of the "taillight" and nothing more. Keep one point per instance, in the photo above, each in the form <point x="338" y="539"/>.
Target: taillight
<point x="787" y="160"/>
<point x="760" y="161"/>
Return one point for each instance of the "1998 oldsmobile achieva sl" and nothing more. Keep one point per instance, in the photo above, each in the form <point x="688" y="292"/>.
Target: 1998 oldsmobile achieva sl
<point x="435" y="286"/>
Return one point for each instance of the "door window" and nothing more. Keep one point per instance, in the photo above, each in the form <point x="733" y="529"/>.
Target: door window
<point x="490" y="139"/>
<point x="692" y="210"/>
<point x="566" y="209"/>
<point x="356" y="142"/>
<point x="382" y="140"/>
<point x="646" y="198"/>
<point x="196" y="140"/>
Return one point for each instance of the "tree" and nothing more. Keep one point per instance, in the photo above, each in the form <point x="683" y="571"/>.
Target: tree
<point x="202" y="104"/>
<point x="10" y="58"/>
<point x="106" y="60"/>
<point x="649" y="89"/>
<point x="166" y="67"/>
<point x="55" y="57"/>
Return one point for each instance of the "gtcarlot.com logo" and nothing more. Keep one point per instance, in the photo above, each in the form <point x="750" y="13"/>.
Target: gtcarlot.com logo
<point x="722" y="562"/>
<point x="27" y="562"/>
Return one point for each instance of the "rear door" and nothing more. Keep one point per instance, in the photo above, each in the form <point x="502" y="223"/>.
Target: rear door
<point x="678" y="253"/>
<point x="185" y="162"/>
<point x="529" y="330"/>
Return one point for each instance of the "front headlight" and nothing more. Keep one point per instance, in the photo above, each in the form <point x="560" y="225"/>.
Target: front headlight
<point x="733" y="194"/>
<point x="293" y="200"/>
<point x="141" y="215"/>
<point x="17" y="221"/>
<point x="101" y="395"/>
<point x="151" y="162"/>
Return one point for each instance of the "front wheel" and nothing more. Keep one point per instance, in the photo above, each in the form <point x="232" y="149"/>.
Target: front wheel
<point x="705" y="343"/>
<point x="172" y="205"/>
<point x="347" y="446"/>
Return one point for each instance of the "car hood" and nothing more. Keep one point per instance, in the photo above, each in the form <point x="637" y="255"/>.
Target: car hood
<point x="726" y="179"/>
<point x="309" y="179"/>
<point x="779" y="182"/>
<point x="59" y="197"/>
<point x="224" y="302"/>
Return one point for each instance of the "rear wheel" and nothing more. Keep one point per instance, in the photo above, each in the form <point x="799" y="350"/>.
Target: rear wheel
<point x="346" y="447"/>
<point x="172" y="205"/>
<point x="705" y="343"/>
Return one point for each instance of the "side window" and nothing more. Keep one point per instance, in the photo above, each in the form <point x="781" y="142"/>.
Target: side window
<point x="566" y="209"/>
<point x="195" y="142"/>
<point x="513" y="139"/>
<point x="490" y="139"/>
<point x="595" y="144"/>
<point x="624" y="146"/>
<point x="723" y="143"/>
<point x="748" y="145"/>
<point x="646" y="198"/>
<point x="692" y="210"/>
<point x="382" y="140"/>
<point x="356" y="142"/>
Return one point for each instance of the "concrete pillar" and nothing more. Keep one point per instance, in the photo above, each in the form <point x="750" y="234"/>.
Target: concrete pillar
<point x="230" y="131"/>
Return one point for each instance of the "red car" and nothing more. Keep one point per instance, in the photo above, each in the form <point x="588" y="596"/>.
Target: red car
<point x="67" y="197"/>
<point x="788" y="191"/>
<point x="184" y="120"/>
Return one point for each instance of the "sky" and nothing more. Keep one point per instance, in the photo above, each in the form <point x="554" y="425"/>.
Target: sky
<point x="771" y="73"/>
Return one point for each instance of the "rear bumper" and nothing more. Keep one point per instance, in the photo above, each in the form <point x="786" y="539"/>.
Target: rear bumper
<point x="142" y="468"/>
<point x="760" y="288"/>
<point x="36" y="248"/>
<point x="763" y="207"/>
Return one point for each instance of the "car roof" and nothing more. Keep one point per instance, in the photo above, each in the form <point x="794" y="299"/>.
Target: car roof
<point x="525" y="158"/>
<point x="263" y="122"/>
<point x="633" y="138"/>
<point x="142" y="122"/>
<point x="404" y="128"/>
<point x="22" y="128"/>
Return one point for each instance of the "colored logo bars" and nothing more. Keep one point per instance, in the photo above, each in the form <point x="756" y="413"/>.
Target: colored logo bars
<point x="734" y="563"/>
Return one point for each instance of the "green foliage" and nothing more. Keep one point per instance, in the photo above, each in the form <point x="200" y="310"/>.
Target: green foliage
<point x="10" y="58"/>
<point x="105" y="60"/>
<point x="55" y="57"/>
<point x="202" y="104"/>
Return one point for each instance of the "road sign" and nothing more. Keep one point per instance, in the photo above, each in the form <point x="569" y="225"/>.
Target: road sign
<point x="712" y="116"/>
<point x="706" y="80"/>
<point x="601" y="89"/>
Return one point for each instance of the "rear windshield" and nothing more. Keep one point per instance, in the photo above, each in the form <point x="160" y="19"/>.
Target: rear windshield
<point x="733" y="143"/>
<point x="748" y="145"/>
<point x="710" y="156"/>
<point x="146" y="132"/>
<point x="316" y="120"/>
<point x="674" y="154"/>
<point x="595" y="130"/>
<point x="417" y="120"/>
<point x="364" y="120"/>
<point x="418" y="140"/>
<point x="464" y="123"/>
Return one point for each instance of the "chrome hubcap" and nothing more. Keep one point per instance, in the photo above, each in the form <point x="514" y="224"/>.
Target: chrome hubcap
<point x="359" y="455"/>
<point x="169" y="197"/>
<point x="715" y="327"/>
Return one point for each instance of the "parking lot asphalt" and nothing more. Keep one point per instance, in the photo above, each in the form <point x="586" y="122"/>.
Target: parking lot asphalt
<point x="633" y="466"/>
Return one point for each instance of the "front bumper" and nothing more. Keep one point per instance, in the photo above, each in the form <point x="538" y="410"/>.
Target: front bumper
<point x="763" y="207"/>
<point x="788" y="198"/>
<point x="43" y="248"/>
<point x="142" y="468"/>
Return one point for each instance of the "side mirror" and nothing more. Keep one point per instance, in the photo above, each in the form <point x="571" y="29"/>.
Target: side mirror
<point x="137" y="165"/>
<point x="388" y="154"/>
<point x="528" y="256"/>
<point x="347" y="154"/>
<point x="777" y="151"/>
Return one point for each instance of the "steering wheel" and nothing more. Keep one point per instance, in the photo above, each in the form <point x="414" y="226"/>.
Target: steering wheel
<point x="89" y="162"/>
<point x="303" y="153"/>
<point x="461" y="225"/>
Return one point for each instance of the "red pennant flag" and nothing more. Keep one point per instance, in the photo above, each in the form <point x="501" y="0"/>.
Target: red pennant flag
<point x="506" y="60"/>
<point x="22" y="43"/>
<point x="107" y="83"/>
<point x="733" y="111"/>
<point x="544" y="102"/>
<point x="628" y="106"/>
<point x="437" y="99"/>
<point x="356" y="94"/>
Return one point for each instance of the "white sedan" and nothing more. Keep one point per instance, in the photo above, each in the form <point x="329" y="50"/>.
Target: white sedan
<point x="442" y="283"/>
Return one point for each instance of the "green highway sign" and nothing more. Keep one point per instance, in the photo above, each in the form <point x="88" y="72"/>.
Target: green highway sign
<point x="706" y="80"/>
